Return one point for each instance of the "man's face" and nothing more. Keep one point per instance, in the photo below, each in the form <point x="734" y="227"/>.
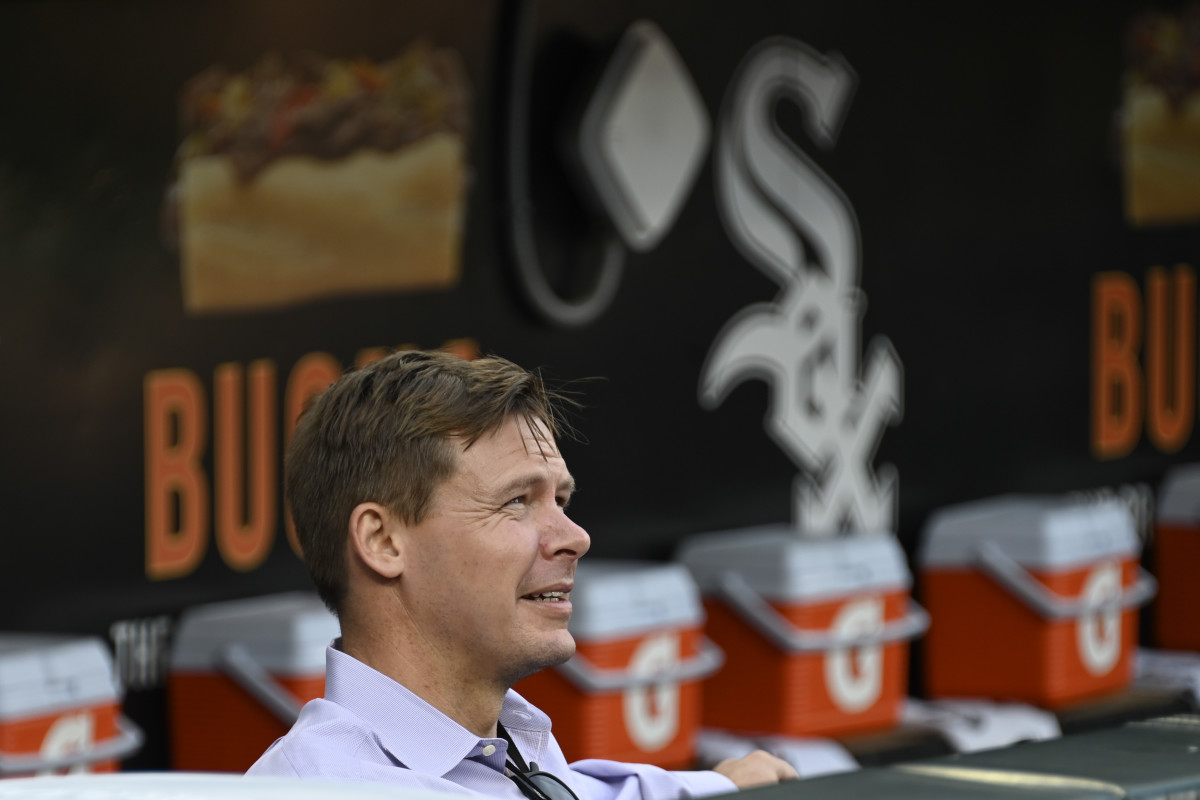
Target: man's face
<point x="488" y="572"/>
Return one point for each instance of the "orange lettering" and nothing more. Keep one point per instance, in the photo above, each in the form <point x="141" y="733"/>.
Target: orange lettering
<point x="1170" y="360"/>
<point x="466" y="349"/>
<point x="244" y="500"/>
<point x="245" y="521"/>
<point x="1116" y="376"/>
<point x="175" y="437"/>
<point x="369" y="355"/>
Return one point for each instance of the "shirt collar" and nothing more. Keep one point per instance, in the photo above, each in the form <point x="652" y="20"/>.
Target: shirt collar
<point x="403" y="721"/>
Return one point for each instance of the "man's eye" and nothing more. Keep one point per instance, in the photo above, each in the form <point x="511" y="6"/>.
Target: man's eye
<point x="515" y="501"/>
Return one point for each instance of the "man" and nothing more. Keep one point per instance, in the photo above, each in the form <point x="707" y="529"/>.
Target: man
<point x="429" y="497"/>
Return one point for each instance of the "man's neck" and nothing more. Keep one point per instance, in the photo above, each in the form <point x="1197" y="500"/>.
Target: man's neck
<point x="462" y="697"/>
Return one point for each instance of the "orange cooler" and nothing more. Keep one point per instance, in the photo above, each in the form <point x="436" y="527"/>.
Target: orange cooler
<point x="1033" y="599"/>
<point x="1176" y="557"/>
<point x="60" y="707"/>
<point x="632" y="690"/>
<point x="815" y="631"/>
<point x="240" y="672"/>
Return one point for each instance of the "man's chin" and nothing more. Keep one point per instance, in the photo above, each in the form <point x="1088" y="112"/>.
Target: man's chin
<point x="567" y="652"/>
<point x="551" y="656"/>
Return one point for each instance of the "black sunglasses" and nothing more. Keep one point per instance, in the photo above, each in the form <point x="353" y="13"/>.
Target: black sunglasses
<point x="533" y="783"/>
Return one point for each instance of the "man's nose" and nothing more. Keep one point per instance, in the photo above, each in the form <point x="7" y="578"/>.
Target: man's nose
<point x="565" y="537"/>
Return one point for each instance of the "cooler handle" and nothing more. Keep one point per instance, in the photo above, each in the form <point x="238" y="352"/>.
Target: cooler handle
<point x="236" y="662"/>
<point x="589" y="677"/>
<point x="127" y="741"/>
<point x="765" y="619"/>
<point x="1035" y="594"/>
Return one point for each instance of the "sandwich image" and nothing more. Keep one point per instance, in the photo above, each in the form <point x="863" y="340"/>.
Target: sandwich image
<point x="1160" y="118"/>
<point x="320" y="177"/>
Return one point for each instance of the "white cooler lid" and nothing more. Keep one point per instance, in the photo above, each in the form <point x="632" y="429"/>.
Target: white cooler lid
<point x="623" y="598"/>
<point x="286" y="633"/>
<point x="1179" y="495"/>
<point x="780" y="564"/>
<point x="49" y="673"/>
<point x="1036" y="531"/>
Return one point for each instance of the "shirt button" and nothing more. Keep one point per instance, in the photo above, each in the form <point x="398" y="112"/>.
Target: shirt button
<point x="489" y="749"/>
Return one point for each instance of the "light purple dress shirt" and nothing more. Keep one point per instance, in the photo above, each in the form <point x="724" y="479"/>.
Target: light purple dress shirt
<point x="368" y="728"/>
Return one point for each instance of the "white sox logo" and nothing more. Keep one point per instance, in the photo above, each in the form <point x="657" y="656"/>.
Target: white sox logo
<point x="793" y="223"/>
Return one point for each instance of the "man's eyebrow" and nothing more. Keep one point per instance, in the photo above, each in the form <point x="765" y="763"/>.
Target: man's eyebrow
<point x="522" y="482"/>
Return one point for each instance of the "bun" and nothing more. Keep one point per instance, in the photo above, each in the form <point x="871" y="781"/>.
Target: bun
<point x="1162" y="157"/>
<point x="1160" y="119"/>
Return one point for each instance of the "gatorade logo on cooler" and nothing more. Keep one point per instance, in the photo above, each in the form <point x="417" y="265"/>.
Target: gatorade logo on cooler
<point x="652" y="709"/>
<point x="854" y="675"/>
<point x="1098" y="634"/>
<point x="70" y="734"/>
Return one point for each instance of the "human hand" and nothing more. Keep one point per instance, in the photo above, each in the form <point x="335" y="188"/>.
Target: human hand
<point x="758" y="768"/>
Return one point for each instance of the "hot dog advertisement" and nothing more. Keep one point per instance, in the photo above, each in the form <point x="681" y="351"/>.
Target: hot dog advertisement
<point x="327" y="176"/>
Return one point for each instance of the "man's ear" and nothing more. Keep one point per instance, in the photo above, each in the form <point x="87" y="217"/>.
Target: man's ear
<point x="375" y="536"/>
